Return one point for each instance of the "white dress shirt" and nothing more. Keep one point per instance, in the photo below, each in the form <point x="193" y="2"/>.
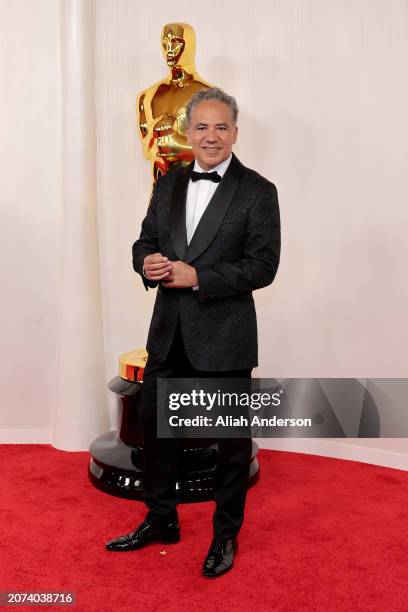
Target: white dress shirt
<point x="199" y="194"/>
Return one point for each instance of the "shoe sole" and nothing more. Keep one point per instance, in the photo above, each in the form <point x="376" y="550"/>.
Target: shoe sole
<point x="172" y="540"/>
<point x="219" y="574"/>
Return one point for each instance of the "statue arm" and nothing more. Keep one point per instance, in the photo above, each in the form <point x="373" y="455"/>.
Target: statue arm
<point x="141" y="114"/>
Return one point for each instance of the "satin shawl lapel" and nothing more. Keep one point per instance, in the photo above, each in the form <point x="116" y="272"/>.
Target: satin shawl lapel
<point x="215" y="212"/>
<point x="178" y="231"/>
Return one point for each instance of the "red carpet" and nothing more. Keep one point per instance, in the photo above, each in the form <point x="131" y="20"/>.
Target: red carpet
<point x="320" y="534"/>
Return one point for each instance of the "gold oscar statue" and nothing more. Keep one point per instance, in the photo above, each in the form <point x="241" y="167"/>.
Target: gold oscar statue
<point x="161" y="108"/>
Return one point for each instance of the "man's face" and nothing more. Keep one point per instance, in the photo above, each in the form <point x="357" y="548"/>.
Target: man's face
<point x="211" y="133"/>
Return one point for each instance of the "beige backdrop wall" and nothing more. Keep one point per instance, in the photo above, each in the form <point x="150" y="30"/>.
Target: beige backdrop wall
<point x="322" y="87"/>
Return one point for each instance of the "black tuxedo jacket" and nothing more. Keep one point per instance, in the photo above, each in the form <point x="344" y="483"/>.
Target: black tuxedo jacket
<point x="235" y="249"/>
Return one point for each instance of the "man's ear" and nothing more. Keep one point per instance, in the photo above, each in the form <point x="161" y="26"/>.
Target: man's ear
<point x="235" y="135"/>
<point x="188" y="135"/>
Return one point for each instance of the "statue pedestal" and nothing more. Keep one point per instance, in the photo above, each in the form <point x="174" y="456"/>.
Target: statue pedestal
<point x="116" y="464"/>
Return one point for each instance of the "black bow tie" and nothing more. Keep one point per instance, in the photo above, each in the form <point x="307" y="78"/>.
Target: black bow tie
<point x="206" y="176"/>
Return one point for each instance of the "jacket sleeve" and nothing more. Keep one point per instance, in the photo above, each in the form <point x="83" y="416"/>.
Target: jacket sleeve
<point x="148" y="242"/>
<point x="258" y="266"/>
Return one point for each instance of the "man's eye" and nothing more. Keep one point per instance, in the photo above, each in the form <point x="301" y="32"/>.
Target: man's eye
<point x="222" y="127"/>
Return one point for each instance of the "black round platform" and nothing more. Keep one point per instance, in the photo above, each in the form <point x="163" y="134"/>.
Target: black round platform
<point x="116" y="464"/>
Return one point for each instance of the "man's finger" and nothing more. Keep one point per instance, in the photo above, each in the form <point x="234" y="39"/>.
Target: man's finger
<point x="157" y="266"/>
<point x="150" y="272"/>
<point x="155" y="258"/>
<point x="157" y="275"/>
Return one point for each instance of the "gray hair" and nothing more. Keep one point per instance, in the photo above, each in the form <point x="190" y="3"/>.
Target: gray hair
<point x="211" y="93"/>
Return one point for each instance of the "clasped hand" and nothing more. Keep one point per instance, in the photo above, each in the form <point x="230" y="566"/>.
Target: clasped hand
<point x="172" y="274"/>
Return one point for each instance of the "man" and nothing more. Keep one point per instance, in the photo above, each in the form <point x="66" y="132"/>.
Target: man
<point x="210" y="237"/>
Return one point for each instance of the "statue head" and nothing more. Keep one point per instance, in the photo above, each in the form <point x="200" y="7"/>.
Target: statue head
<point x="178" y="43"/>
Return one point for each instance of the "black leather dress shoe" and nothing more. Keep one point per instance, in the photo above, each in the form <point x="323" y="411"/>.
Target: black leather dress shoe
<point x="145" y="534"/>
<point x="220" y="557"/>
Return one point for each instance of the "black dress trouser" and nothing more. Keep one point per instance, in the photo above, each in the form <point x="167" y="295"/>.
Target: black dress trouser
<point x="162" y="456"/>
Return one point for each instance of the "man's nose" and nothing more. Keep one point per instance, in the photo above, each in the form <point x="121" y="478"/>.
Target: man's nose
<point x="211" y="135"/>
